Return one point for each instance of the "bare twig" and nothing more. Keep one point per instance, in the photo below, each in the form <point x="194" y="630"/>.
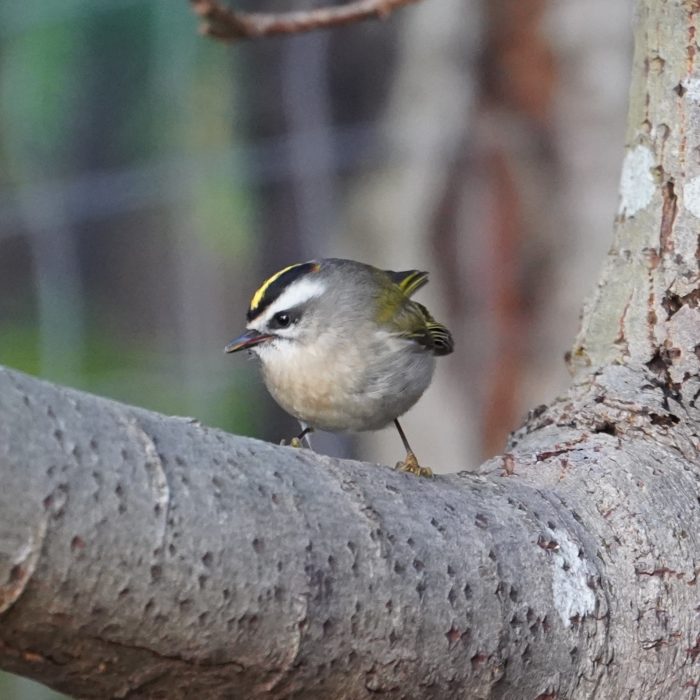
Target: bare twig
<point x="229" y="25"/>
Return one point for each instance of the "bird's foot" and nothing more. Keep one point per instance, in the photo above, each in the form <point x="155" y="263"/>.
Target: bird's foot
<point x="294" y="442"/>
<point x="301" y="440"/>
<point x="410" y="465"/>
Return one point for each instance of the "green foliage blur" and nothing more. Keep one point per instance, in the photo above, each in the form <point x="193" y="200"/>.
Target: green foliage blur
<point x="16" y="688"/>
<point x="119" y="168"/>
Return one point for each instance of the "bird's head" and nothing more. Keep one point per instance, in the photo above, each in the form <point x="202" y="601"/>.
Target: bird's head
<point x="284" y="309"/>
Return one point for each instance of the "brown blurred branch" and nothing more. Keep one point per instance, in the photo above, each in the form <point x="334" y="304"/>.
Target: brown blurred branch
<point x="229" y="25"/>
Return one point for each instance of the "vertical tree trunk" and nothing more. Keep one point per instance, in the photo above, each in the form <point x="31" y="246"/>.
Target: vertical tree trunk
<point x="645" y="309"/>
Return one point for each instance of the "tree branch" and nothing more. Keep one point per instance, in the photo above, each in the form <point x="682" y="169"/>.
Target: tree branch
<point x="229" y="25"/>
<point x="148" y="556"/>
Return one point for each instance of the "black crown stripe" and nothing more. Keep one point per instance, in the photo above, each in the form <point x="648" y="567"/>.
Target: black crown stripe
<point x="272" y="287"/>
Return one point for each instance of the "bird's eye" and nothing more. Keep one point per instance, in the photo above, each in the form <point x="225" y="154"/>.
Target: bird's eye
<point x="282" y="319"/>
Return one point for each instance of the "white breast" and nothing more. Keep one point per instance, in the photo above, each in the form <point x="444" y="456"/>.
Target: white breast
<point x="345" y="385"/>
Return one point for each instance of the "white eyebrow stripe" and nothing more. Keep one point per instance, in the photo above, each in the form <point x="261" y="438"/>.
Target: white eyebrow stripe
<point x="297" y="293"/>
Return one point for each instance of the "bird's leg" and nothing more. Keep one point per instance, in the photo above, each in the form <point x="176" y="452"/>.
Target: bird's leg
<point x="303" y="437"/>
<point x="410" y="464"/>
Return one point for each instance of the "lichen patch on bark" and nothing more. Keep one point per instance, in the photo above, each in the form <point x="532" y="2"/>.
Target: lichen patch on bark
<point x="637" y="185"/>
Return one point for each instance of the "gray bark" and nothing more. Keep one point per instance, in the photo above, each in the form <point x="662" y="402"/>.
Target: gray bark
<point x="148" y="556"/>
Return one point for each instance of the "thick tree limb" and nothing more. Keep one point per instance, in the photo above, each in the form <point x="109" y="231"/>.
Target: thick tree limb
<point x="223" y="23"/>
<point x="147" y="556"/>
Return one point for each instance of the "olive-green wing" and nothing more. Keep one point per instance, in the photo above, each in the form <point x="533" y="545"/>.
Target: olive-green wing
<point x="408" y="281"/>
<point x="415" y="322"/>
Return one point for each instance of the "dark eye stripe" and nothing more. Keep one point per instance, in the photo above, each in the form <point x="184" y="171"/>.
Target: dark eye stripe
<point x="275" y="285"/>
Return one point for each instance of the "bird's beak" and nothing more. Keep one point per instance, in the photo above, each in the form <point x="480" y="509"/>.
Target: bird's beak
<point x="247" y="340"/>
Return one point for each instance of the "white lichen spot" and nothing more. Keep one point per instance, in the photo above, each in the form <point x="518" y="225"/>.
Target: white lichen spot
<point x="637" y="184"/>
<point x="692" y="89"/>
<point x="573" y="596"/>
<point x="691" y="196"/>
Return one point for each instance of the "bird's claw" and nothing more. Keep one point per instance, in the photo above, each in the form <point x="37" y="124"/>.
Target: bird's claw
<point x="294" y="442"/>
<point x="410" y="465"/>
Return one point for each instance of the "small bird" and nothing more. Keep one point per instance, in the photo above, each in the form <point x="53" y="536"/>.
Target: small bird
<point x="343" y="346"/>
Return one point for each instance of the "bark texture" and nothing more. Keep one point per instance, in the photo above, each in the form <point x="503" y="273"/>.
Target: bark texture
<point x="148" y="556"/>
<point x="645" y="310"/>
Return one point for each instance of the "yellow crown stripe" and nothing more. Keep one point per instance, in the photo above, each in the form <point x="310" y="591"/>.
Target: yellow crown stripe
<point x="258" y="296"/>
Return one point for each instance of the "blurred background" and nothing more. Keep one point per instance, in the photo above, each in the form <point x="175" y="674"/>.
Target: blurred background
<point x="150" y="179"/>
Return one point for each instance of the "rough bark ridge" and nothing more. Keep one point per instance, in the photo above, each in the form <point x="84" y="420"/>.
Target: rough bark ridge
<point x="146" y="556"/>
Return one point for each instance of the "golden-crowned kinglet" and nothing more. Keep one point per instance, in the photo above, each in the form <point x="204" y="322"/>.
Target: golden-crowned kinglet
<point x="343" y="346"/>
